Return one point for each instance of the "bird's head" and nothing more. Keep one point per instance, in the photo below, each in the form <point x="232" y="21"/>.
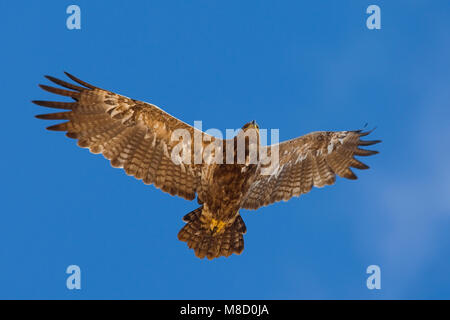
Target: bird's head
<point x="251" y="125"/>
<point x="248" y="140"/>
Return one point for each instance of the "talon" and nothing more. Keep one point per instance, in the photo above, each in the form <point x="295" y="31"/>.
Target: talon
<point x="216" y="226"/>
<point x="213" y="224"/>
<point x="220" y="226"/>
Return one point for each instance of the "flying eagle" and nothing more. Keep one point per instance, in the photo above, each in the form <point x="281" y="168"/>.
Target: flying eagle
<point x="137" y="136"/>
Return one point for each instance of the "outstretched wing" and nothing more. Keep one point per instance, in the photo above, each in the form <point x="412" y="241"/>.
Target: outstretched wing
<point x="134" y="135"/>
<point x="307" y="161"/>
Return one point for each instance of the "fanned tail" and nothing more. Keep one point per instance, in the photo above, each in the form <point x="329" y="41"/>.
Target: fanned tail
<point x="207" y="243"/>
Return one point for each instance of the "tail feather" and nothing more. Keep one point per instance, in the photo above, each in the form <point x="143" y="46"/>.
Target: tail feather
<point x="208" y="244"/>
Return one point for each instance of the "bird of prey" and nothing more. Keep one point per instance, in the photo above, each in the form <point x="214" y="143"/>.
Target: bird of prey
<point x="137" y="136"/>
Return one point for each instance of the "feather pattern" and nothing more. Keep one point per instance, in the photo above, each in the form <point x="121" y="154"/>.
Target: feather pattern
<point x="311" y="160"/>
<point x="133" y="135"/>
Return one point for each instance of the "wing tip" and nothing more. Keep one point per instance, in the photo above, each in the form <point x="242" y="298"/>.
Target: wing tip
<point x="41" y="116"/>
<point x="368" y="142"/>
<point x="365" y="152"/>
<point x="87" y="85"/>
<point x="58" y="127"/>
<point x="362" y="133"/>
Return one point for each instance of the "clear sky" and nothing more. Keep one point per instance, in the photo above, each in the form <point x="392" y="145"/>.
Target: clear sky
<point x="298" y="66"/>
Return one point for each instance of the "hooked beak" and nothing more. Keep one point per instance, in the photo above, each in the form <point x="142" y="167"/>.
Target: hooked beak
<point x="253" y="124"/>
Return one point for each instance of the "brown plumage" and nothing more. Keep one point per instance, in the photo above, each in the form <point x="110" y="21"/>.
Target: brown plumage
<point x="137" y="137"/>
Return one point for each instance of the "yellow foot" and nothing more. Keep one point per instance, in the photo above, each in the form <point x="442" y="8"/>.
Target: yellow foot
<point x="216" y="226"/>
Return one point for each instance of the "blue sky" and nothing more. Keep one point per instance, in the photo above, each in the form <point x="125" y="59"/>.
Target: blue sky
<point x="296" y="66"/>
